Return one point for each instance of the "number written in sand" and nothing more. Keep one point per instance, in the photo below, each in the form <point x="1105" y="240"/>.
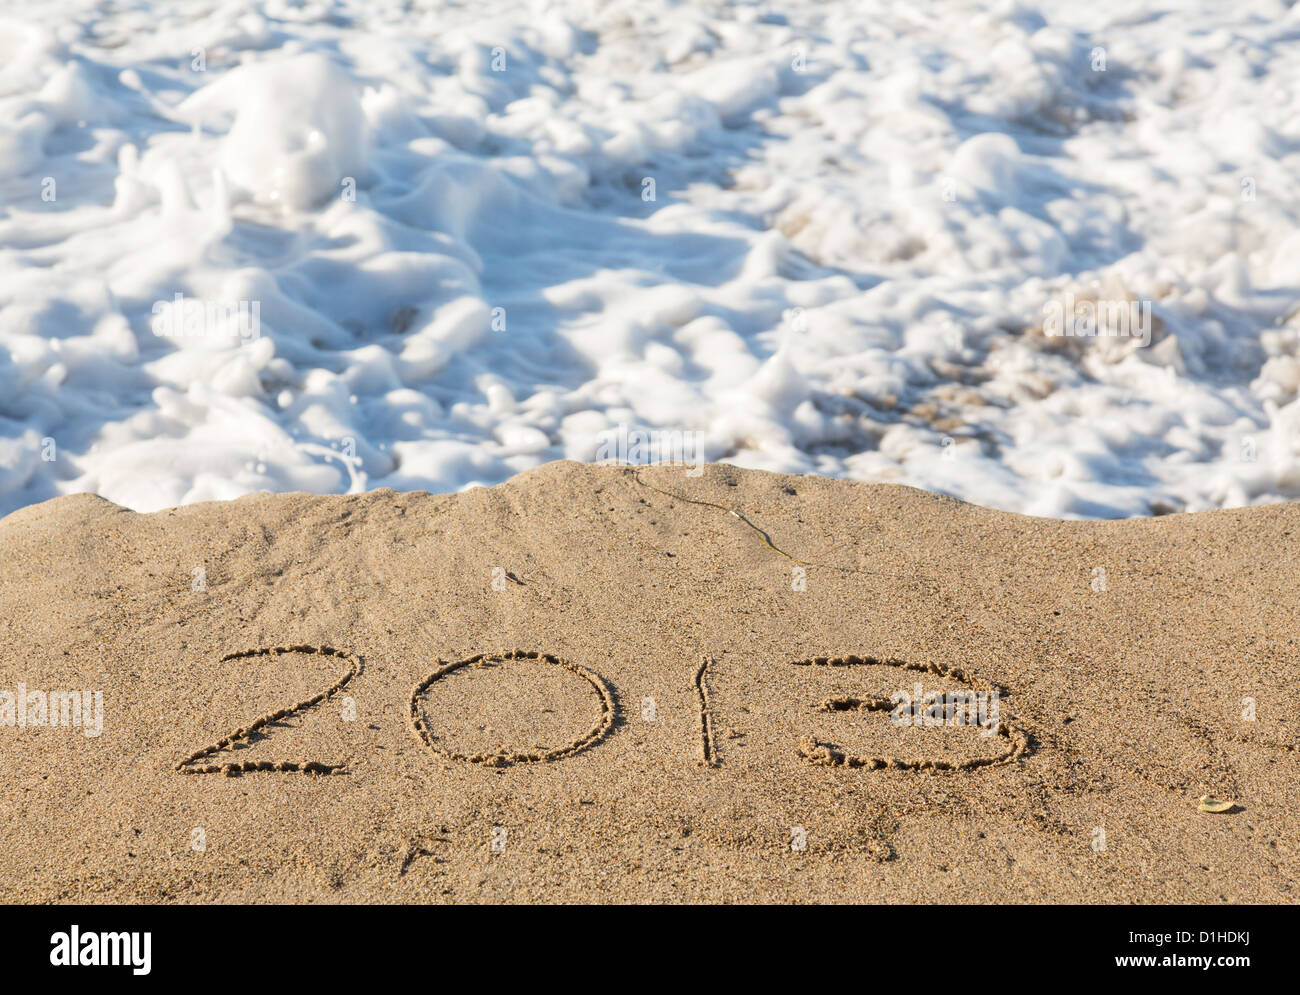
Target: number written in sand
<point x="974" y="705"/>
<point x="259" y="727"/>
<point x="488" y="709"/>
<point x="459" y="710"/>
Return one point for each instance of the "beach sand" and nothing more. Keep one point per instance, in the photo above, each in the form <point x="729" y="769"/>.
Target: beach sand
<point x="582" y="686"/>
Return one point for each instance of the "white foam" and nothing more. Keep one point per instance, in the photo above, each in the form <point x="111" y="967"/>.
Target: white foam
<point x="295" y="129"/>
<point x="482" y="237"/>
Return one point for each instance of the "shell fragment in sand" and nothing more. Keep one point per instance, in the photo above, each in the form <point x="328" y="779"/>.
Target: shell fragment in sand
<point x="1214" y="805"/>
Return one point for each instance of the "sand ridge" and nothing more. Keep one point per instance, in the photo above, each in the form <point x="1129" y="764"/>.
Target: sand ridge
<point x="645" y="699"/>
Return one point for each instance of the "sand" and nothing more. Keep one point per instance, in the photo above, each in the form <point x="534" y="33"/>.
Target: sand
<point x="598" y="684"/>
